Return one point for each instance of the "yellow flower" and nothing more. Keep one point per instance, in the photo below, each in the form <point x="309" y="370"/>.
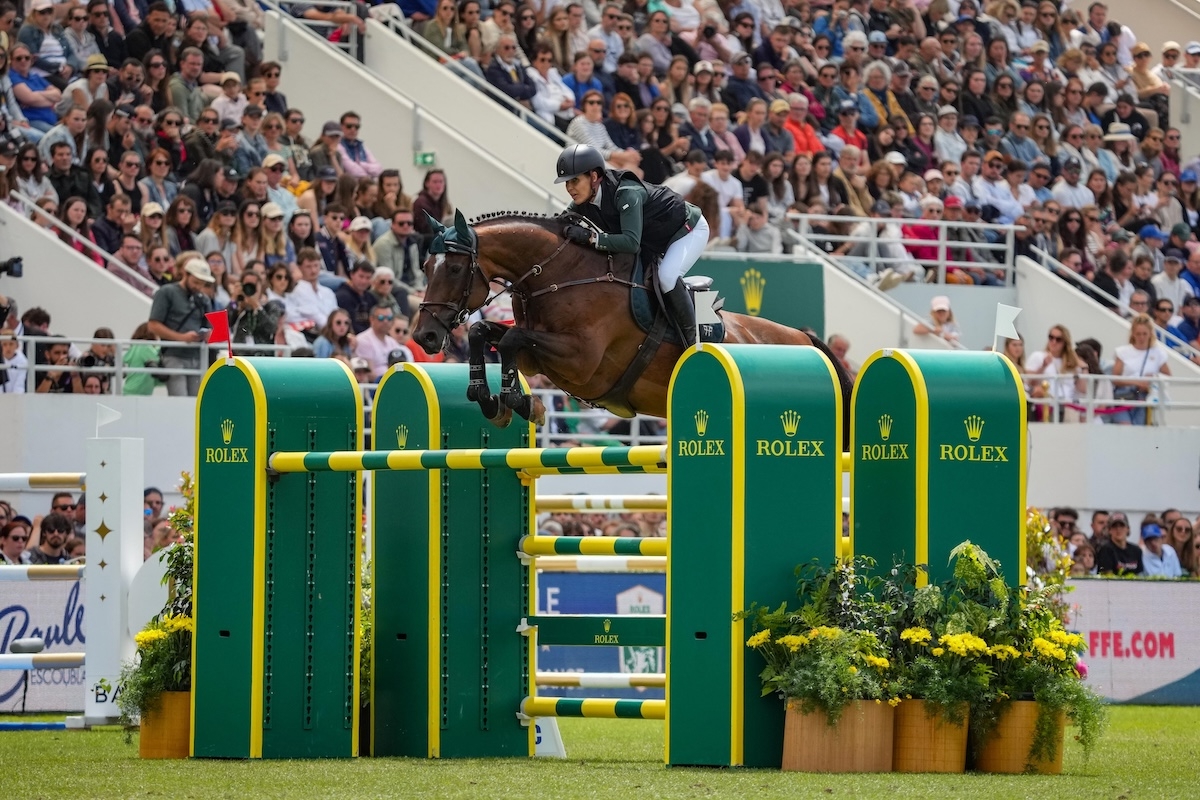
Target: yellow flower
<point x="844" y="690"/>
<point x="877" y="662"/>
<point x="177" y="623"/>
<point x="916" y="635"/>
<point x="147" y="638"/>
<point x="938" y="651"/>
<point x="853" y="670"/>
<point x="1066" y="640"/>
<point x="824" y="631"/>
<point x="964" y="644"/>
<point x="1003" y="652"/>
<point x="1048" y="650"/>
<point x="895" y="701"/>
<point x="792" y="642"/>
<point x="759" y="639"/>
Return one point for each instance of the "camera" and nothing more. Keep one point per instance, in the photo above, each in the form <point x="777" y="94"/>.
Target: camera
<point x="710" y="31"/>
<point x="250" y="289"/>
<point x="88" y="360"/>
<point x="14" y="266"/>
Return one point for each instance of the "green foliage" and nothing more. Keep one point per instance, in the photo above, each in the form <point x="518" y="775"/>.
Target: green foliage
<point x="364" y="638"/>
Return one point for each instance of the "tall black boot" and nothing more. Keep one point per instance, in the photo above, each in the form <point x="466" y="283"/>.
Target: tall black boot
<point x="681" y="311"/>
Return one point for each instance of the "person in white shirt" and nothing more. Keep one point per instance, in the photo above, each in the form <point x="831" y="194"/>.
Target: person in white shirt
<point x="606" y="31"/>
<point x="992" y="189"/>
<point x="376" y="342"/>
<point x="1070" y="191"/>
<point x="1169" y="286"/>
<point x="232" y="102"/>
<point x="554" y="99"/>
<point x="310" y="302"/>
<point x="727" y="187"/>
<point x="1158" y="561"/>
<point x="13" y="363"/>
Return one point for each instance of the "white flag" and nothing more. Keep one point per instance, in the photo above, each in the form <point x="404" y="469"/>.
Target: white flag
<point x="1005" y="317"/>
<point x="105" y="415"/>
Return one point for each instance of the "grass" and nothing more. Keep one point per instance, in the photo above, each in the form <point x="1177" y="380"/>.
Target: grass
<point x="1147" y="752"/>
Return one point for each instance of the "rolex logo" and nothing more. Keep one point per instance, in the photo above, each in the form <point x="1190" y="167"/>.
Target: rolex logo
<point x="701" y="422"/>
<point x="791" y="421"/>
<point x="753" y="284"/>
<point x="402" y="437"/>
<point x="974" y="425"/>
<point x="227" y="430"/>
<point x="885" y="427"/>
<point x="607" y="625"/>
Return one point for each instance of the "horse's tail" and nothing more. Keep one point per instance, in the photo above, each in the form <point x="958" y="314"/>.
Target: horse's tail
<point x="843" y="378"/>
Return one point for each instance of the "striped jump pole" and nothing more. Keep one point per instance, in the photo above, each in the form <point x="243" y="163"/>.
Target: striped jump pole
<point x="532" y="458"/>
<point x="578" y="504"/>
<point x="593" y="546"/>
<point x="601" y="563"/>
<point x="593" y="708"/>
<point x="42" y="572"/>
<point x="25" y="661"/>
<point x="603" y="680"/>
<point x="26" y="481"/>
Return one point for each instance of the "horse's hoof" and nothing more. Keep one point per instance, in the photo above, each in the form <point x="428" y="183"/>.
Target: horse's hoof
<point x="502" y="419"/>
<point x="537" y="412"/>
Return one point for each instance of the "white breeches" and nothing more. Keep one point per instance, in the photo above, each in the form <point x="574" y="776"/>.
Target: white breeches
<point x="682" y="255"/>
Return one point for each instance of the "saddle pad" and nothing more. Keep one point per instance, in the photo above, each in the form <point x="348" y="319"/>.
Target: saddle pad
<point x="645" y="307"/>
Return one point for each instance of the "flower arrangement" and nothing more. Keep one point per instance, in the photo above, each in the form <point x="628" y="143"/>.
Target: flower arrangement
<point x="164" y="647"/>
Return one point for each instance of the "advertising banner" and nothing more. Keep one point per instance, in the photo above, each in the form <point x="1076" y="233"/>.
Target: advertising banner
<point x="53" y="611"/>
<point x="788" y="292"/>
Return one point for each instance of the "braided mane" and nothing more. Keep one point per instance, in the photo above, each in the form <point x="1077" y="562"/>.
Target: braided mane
<point x="545" y="221"/>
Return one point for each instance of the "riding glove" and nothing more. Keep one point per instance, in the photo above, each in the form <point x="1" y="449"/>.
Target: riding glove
<point x="578" y="234"/>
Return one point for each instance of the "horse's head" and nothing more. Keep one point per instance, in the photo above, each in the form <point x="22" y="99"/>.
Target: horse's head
<point x="455" y="285"/>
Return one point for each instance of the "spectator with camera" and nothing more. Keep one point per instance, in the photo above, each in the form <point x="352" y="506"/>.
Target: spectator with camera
<point x="56" y="381"/>
<point x="99" y="355"/>
<point x="253" y="319"/>
<point x="177" y="314"/>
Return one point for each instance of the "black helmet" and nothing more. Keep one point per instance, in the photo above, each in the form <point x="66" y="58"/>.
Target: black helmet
<point x="576" y="160"/>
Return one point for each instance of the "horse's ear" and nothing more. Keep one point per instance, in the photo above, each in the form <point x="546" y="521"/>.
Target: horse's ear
<point x="435" y="225"/>
<point x="460" y="225"/>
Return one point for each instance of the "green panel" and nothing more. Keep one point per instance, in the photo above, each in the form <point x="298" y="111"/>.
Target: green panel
<point x="480" y="675"/>
<point x="787" y="292"/>
<point x="883" y="501"/>
<point x="224" y="567"/>
<point x="975" y="455"/>
<point x="699" y="589"/>
<point x="600" y="630"/>
<point x="793" y="473"/>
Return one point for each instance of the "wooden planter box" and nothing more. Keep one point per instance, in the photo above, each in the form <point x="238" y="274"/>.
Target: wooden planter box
<point x="166" y="729"/>
<point x="926" y="742"/>
<point x="860" y="742"/>
<point x="1007" y="748"/>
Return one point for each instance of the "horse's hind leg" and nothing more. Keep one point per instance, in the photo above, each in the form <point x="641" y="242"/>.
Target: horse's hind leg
<point x="527" y="406"/>
<point x="481" y="336"/>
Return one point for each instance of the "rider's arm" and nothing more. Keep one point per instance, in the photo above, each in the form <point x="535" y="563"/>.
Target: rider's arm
<point x="630" y="200"/>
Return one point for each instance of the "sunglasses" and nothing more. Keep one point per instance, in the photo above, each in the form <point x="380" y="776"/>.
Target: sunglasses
<point x="295" y="120"/>
<point x="64" y="507"/>
<point x="1054" y="338"/>
<point x="16" y="538"/>
<point x="172" y="123"/>
<point x="19" y="59"/>
<point x="271" y="75"/>
<point x="404" y="223"/>
<point x="388" y="318"/>
<point x="355" y="125"/>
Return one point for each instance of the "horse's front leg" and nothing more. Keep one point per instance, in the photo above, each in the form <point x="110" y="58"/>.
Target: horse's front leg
<point x="529" y="407"/>
<point x="482" y="336"/>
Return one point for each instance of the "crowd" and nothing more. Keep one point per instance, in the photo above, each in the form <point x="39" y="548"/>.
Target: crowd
<point x="59" y="535"/>
<point x="1167" y="545"/>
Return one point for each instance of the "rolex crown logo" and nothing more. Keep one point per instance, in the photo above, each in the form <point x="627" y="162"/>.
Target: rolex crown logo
<point x="974" y="425"/>
<point x="607" y="625"/>
<point x="753" y="284"/>
<point x="402" y="437"/>
<point x="701" y="422"/>
<point x="791" y="421"/>
<point x="885" y="427"/>
<point x="227" y="430"/>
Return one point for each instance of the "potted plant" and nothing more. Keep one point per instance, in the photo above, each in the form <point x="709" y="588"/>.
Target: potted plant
<point x="827" y="662"/>
<point x="155" y="688"/>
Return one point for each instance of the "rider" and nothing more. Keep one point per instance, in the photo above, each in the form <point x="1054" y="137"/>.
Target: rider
<point x="633" y="216"/>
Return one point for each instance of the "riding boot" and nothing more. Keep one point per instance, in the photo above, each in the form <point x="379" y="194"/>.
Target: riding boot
<point x="679" y="308"/>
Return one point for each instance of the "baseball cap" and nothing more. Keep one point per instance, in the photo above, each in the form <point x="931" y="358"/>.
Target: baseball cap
<point x="1140" y="47"/>
<point x="1191" y="300"/>
<point x="124" y="111"/>
<point x="226" y="207"/>
<point x="331" y="128"/>
<point x="954" y="201"/>
<point x="38" y="5"/>
<point x="360" y="224"/>
<point x="877" y="37"/>
<point x="399" y="356"/>
<point x="151" y="208"/>
<point x="946" y="111"/>
<point x="881" y="207"/>
<point x="8" y="149"/>
<point x="971" y="205"/>
<point x="1192" y="49"/>
<point x="895" y="157"/>
<point x="779" y="105"/>
<point x="1187" y="176"/>
<point x="1151" y="531"/>
<point x="226" y="77"/>
<point x="1181" y="229"/>
<point x="271" y="160"/>
<point x="968" y="121"/>
<point x="993" y="155"/>
<point x="1039" y="46"/>
<point x="252" y="110"/>
<point x="327" y="173"/>
<point x="1151" y="231"/>
<point x="359" y="363"/>
<point x="741" y="58"/>
<point x="230" y="125"/>
<point x="1169" y="45"/>
<point x="97" y="62"/>
<point x="1072" y="163"/>
<point x="901" y="68"/>
<point x="231" y="174"/>
<point x="939" y="303"/>
<point x="272" y="211"/>
<point x="702" y="66"/>
<point x="934" y="175"/>
<point x="199" y="268"/>
<point x="847" y="107"/>
<point x="1122" y="235"/>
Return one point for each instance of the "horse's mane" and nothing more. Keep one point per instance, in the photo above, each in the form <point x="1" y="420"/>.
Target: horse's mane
<point x="549" y="222"/>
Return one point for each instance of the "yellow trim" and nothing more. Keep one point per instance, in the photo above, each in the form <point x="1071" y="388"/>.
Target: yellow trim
<point x="379" y="392"/>
<point x="360" y="421"/>
<point x="846" y="551"/>
<point x="1023" y="465"/>
<point x="840" y="461"/>
<point x="56" y="480"/>
<point x="921" y="458"/>
<point x="529" y="487"/>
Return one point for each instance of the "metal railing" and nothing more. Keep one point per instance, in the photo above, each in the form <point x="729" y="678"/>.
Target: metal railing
<point x="1185" y="101"/>
<point x="131" y="276"/>
<point x="865" y="249"/>
<point x="350" y="45"/>
<point x="1089" y="406"/>
<point x="1091" y="291"/>
<point x="403" y="28"/>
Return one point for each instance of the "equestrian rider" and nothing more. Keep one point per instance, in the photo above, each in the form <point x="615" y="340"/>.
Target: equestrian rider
<point x="633" y="216"/>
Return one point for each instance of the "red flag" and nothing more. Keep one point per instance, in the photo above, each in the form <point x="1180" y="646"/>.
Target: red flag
<point x="219" y="329"/>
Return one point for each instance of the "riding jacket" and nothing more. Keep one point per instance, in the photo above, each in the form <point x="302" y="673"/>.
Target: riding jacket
<point x="634" y="216"/>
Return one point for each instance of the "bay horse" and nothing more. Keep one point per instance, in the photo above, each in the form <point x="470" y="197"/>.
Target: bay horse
<point x="573" y="322"/>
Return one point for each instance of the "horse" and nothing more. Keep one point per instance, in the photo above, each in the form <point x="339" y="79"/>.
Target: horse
<point x="573" y="321"/>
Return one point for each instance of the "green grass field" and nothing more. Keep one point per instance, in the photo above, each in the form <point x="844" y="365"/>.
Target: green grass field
<point x="1146" y="753"/>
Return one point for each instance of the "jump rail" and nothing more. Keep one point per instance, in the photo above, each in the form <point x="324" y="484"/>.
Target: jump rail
<point x="24" y="481"/>
<point x="534" y="459"/>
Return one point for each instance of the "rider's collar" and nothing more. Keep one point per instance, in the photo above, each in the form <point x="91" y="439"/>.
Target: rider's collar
<point x="596" y="195"/>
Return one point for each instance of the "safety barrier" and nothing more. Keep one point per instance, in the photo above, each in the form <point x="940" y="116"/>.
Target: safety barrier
<point x="755" y="465"/>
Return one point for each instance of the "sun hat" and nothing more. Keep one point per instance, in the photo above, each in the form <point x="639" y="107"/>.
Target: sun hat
<point x="939" y="303"/>
<point x="198" y="268"/>
<point x="1119" y="132"/>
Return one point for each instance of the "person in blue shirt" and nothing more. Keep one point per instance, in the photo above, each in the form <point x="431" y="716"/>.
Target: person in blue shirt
<point x="581" y="80"/>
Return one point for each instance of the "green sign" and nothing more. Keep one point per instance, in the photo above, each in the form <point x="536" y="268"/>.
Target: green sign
<point x="786" y="292"/>
<point x="424" y="158"/>
<point x="938" y="444"/>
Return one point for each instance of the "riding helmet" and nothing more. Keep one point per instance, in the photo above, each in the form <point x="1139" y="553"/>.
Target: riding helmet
<point x="576" y="160"/>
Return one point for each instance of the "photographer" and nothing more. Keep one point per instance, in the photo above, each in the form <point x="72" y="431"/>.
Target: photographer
<point x="253" y="319"/>
<point x="99" y="355"/>
<point x="57" y="381"/>
<point x="142" y="355"/>
<point x="177" y="315"/>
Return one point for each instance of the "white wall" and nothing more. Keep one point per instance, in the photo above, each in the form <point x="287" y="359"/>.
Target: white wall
<point x="974" y="307"/>
<point x="80" y="295"/>
<point x="326" y="84"/>
<point x="414" y="74"/>
<point x="1047" y="300"/>
<point x="1155" y="21"/>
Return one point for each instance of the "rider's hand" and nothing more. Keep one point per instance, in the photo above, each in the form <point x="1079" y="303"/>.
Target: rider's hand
<point x="578" y="234"/>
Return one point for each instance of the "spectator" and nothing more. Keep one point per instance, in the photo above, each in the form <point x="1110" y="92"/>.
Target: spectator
<point x="13" y="537"/>
<point x="389" y="294"/>
<point x="1118" y="556"/>
<point x="356" y="159"/>
<point x="231" y="103"/>
<point x="1143" y="358"/>
<point x="34" y="93"/>
<point x="70" y="180"/>
<point x="251" y="146"/>
<point x="399" y="250"/>
<point x="13" y="363"/>
<point x="376" y="342"/>
<point x="117" y="220"/>
<point x="1158" y="561"/>
<point x="754" y="234"/>
<point x="177" y="315"/>
<point x="506" y="73"/>
<point x="180" y="224"/>
<point x="247" y="236"/>
<point x="358" y="241"/>
<point x="277" y="190"/>
<point x="55" y="528"/>
<point x="553" y="101"/>
<point x="311" y="303"/>
<point x="941" y="321"/>
<point x="55" y="59"/>
<point x="327" y="152"/>
<point x="1168" y="286"/>
<point x="69" y="131"/>
<point x="253" y="318"/>
<point x="336" y="338"/>
<point x="151" y="34"/>
<point x="56" y="381"/>
<point x="332" y="247"/>
<point x="354" y="296"/>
